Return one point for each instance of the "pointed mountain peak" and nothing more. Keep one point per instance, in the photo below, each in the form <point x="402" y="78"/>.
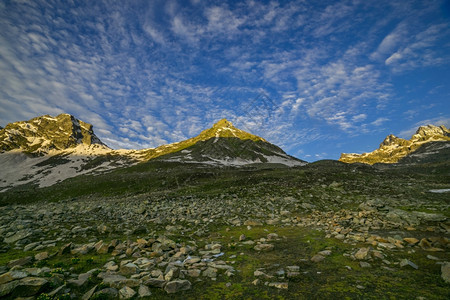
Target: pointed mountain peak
<point x="225" y="129"/>
<point x="391" y="140"/>
<point x="223" y="123"/>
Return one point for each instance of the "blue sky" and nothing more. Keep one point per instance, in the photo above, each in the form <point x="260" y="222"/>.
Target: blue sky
<point x="315" y="77"/>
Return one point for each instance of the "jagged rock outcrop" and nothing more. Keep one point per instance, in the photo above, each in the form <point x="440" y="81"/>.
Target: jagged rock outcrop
<point x="393" y="149"/>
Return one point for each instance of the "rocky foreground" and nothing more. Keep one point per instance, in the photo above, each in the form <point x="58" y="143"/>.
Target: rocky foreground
<point x="150" y="246"/>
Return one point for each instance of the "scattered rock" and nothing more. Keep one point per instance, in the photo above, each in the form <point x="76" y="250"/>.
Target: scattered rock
<point x="405" y="262"/>
<point x="41" y="256"/>
<point x="20" y="262"/>
<point x="272" y="236"/>
<point x="362" y="253"/>
<point x="325" y="252"/>
<point x="144" y="291"/>
<point x="340" y="236"/>
<point x="210" y="272"/>
<point x="108" y="293"/>
<point x="194" y="272"/>
<point x="432" y="257"/>
<point x="445" y="272"/>
<point x="65" y="249"/>
<point x="30" y="286"/>
<point x="279" y="285"/>
<point x="411" y="241"/>
<point x="253" y="223"/>
<point x="177" y="286"/>
<point x="317" y="258"/>
<point x="128" y="269"/>
<point x="112" y="279"/>
<point x="20" y="235"/>
<point x="12" y="275"/>
<point x="153" y="282"/>
<point x="364" y="264"/>
<point x="258" y="273"/>
<point x="264" y="247"/>
<point x="172" y="274"/>
<point x="81" y="281"/>
<point x="89" y="293"/>
<point x="424" y="243"/>
<point x="126" y="293"/>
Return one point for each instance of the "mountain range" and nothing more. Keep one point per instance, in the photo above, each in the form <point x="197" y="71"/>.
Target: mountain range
<point x="46" y="150"/>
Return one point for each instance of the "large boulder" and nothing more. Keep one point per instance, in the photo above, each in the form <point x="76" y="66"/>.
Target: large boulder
<point x="427" y="217"/>
<point x="25" y="287"/>
<point x="12" y="275"/>
<point x="400" y="216"/>
<point x="19" y="235"/>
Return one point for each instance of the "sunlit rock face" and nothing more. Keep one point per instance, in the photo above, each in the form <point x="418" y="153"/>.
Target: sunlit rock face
<point x="393" y="148"/>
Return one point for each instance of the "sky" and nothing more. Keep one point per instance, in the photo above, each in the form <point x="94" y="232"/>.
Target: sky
<point x="317" y="78"/>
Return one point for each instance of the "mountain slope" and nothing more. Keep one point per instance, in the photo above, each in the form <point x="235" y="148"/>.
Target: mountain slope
<point x="429" y="153"/>
<point x="393" y="149"/>
<point x="232" y="151"/>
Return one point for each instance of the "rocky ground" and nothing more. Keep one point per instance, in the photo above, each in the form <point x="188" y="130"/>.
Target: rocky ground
<point x="327" y="239"/>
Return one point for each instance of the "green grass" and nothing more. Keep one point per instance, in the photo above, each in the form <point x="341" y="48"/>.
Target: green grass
<point x="174" y="179"/>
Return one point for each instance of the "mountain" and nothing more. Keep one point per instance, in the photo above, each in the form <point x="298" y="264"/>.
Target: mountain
<point x="428" y="141"/>
<point x="43" y="134"/>
<point x="46" y="150"/>
<point x="224" y="144"/>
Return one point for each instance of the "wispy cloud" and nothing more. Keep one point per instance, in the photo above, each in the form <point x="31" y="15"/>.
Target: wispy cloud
<point x="422" y="50"/>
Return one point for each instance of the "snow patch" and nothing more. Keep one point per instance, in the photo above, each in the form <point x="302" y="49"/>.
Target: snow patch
<point x="48" y="118"/>
<point x="282" y="160"/>
<point x="439" y="191"/>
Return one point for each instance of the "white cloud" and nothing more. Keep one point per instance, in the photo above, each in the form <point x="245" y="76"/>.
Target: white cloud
<point x="154" y="34"/>
<point x="379" y="121"/>
<point x="222" y="20"/>
<point x="359" y="118"/>
<point x="391" y="42"/>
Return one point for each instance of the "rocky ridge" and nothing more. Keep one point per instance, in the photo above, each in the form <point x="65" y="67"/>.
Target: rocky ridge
<point x="393" y="148"/>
